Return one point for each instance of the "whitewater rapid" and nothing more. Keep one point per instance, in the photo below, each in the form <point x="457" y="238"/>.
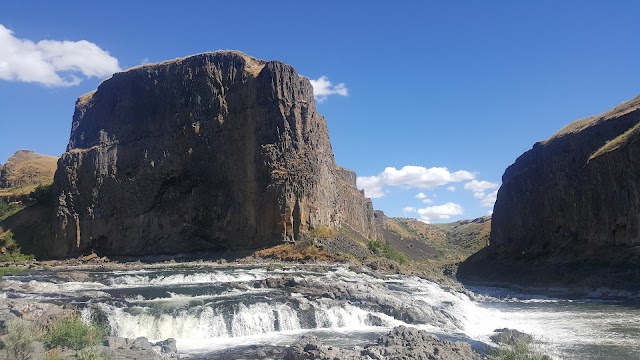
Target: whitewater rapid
<point x="209" y="308"/>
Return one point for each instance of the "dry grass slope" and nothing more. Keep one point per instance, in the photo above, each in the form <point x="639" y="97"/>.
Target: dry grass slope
<point x="627" y="137"/>
<point x="451" y="242"/>
<point x="24" y="171"/>
<point x="582" y="124"/>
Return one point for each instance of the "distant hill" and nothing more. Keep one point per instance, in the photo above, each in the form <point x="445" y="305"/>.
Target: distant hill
<point x="24" y="171"/>
<point x="446" y="243"/>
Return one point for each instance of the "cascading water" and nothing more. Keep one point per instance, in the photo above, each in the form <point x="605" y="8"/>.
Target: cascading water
<point x="208" y="308"/>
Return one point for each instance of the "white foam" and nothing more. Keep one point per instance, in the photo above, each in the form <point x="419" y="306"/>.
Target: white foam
<point x="186" y="279"/>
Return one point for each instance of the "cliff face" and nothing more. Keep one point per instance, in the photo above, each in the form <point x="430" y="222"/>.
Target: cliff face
<point x="213" y="151"/>
<point x="572" y="199"/>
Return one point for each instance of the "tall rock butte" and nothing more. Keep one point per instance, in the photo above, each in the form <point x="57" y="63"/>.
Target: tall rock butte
<point x="568" y="210"/>
<point x="209" y="152"/>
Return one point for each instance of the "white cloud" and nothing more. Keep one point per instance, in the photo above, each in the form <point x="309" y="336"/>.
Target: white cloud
<point x="423" y="197"/>
<point x="440" y="212"/>
<point x="479" y="186"/>
<point x="371" y="185"/>
<point x="490" y="212"/>
<point x="490" y="199"/>
<point x="409" y="209"/>
<point x="51" y="62"/>
<point x="451" y="188"/>
<point x="411" y="177"/>
<point x="323" y="88"/>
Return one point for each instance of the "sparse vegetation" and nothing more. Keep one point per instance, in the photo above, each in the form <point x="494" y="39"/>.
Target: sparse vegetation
<point x="383" y="248"/>
<point x="69" y="332"/>
<point x="521" y="350"/>
<point x="54" y="354"/>
<point x="92" y="354"/>
<point x="628" y="136"/>
<point x="322" y="232"/>
<point x="301" y="250"/>
<point x="20" y="339"/>
<point x="73" y="333"/>
<point x="10" y="270"/>
<point x="8" y="209"/>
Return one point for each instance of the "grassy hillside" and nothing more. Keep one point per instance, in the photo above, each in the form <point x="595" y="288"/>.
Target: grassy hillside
<point x="24" y="171"/>
<point x="439" y="243"/>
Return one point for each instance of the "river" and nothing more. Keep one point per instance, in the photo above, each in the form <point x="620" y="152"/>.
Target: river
<point x="218" y="311"/>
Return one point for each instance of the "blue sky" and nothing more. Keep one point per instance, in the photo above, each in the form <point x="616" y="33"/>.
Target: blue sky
<point x="462" y="85"/>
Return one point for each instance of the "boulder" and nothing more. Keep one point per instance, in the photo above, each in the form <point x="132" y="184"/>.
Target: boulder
<point x="507" y="336"/>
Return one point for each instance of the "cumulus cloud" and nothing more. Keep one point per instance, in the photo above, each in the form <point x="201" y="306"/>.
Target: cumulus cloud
<point x="323" y="88"/>
<point x="451" y="188"/>
<point x="371" y="185"/>
<point x="51" y="62"/>
<point x="479" y="189"/>
<point x="411" y="177"/>
<point x="421" y="195"/>
<point x="479" y="185"/>
<point x="489" y="199"/>
<point x="409" y="209"/>
<point x="427" y="201"/>
<point x="479" y="195"/>
<point x="440" y="212"/>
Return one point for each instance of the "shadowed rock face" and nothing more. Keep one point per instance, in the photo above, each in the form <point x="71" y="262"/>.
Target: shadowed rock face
<point x="213" y="151"/>
<point x="573" y="200"/>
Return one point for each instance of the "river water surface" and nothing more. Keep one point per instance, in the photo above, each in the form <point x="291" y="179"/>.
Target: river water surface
<point x="216" y="311"/>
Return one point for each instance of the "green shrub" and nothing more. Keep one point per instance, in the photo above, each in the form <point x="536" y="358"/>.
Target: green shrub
<point x="11" y="251"/>
<point x="384" y="249"/>
<point x="20" y="338"/>
<point x="72" y="332"/>
<point x="519" y="351"/>
<point x="16" y="257"/>
<point x="9" y="209"/>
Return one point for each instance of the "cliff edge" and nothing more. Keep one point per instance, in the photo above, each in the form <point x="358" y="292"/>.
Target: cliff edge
<point x="568" y="210"/>
<point x="209" y="152"/>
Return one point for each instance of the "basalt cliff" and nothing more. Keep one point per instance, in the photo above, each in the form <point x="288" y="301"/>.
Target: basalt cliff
<point x="209" y="152"/>
<point x="568" y="210"/>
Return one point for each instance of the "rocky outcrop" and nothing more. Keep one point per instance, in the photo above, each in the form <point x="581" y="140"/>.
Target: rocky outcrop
<point x="401" y="343"/>
<point x="26" y="168"/>
<point x="568" y="210"/>
<point x="213" y="151"/>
